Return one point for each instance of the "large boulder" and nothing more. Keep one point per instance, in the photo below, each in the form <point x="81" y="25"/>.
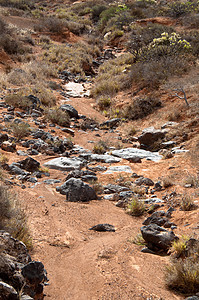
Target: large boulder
<point x="64" y="164"/>
<point x="29" y="164"/>
<point x="111" y="123"/>
<point x="18" y="272"/>
<point x="77" y="191"/>
<point x="144" y="181"/>
<point x="149" y="136"/>
<point x="157" y="238"/>
<point x="128" y="153"/>
<point x="73" y="113"/>
<point x="7" y="292"/>
<point x="34" y="272"/>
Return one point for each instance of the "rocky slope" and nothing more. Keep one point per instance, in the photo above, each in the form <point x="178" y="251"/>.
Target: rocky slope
<point x="78" y="203"/>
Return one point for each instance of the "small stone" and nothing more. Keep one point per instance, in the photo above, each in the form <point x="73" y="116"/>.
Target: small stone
<point x="103" y="227"/>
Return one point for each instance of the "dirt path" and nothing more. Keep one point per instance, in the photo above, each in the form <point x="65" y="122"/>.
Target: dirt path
<point x="83" y="264"/>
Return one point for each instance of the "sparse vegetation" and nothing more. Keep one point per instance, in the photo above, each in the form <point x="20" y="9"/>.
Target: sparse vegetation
<point x="141" y="107"/>
<point x="138" y="240"/>
<point x="58" y="116"/>
<point x="191" y="180"/>
<point x="20" y="130"/>
<point x="136" y="207"/>
<point x="101" y="147"/>
<point x="12" y="217"/>
<point x="167" y="181"/>
<point x="179" y="246"/>
<point x="187" y="202"/>
<point x="98" y="187"/>
<point x="17" y="100"/>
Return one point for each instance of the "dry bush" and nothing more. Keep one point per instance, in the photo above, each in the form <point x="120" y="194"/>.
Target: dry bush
<point x="19" y="4"/>
<point x="174" y="116"/>
<point x="103" y="102"/>
<point x="20" y="130"/>
<point x="88" y="123"/>
<point x="18" y="77"/>
<point x="58" y="116"/>
<point x="41" y="91"/>
<point x="12" y="217"/>
<point x="183" y="275"/>
<point x="136" y="207"/>
<point x="141" y="107"/>
<point x="131" y="131"/>
<point x="51" y="24"/>
<point x="18" y="100"/>
<point x="71" y="58"/>
<point x="150" y="74"/>
<point x="193" y="180"/>
<point x="98" y="187"/>
<point x="113" y="76"/>
<point x="179" y="246"/>
<point x="100" y="147"/>
<point x="187" y="203"/>
<point x="167" y="181"/>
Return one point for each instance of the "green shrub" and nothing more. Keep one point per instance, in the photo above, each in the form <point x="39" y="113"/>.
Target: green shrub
<point x="138" y="240"/>
<point x="177" y="9"/>
<point x="96" y="12"/>
<point x="58" y="116"/>
<point x="141" y="36"/>
<point x="136" y="207"/>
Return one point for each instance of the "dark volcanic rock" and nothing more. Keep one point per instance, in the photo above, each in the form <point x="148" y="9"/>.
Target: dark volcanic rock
<point x="114" y="188"/>
<point x="73" y="113"/>
<point x="18" y="272"/>
<point x="34" y="272"/>
<point x="149" y="136"/>
<point x="103" y="227"/>
<point x="77" y="191"/>
<point x="111" y="123"/>
<point x="3" y="137"/>
<point x="157" y="238"/>
<point x="144" y="181"/>
<point x="7" y="292"/>
<point x="29" y="164"/>
<point x="8" y="146"/>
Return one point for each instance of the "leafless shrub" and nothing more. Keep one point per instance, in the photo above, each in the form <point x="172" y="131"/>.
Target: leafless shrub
<point x="141" y="107"/>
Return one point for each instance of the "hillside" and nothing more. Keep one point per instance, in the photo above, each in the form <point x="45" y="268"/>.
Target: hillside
<point x="99" y="150"/>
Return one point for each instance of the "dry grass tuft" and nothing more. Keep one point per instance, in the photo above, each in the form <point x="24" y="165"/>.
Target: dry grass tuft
<point x="58" y="116"/>
<point x="12" y="217"/>
<point x="136" y="207"/>
<point x="187" y="203"/>
<point x="100" y="147"/>
<point x="20" y="130"/>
